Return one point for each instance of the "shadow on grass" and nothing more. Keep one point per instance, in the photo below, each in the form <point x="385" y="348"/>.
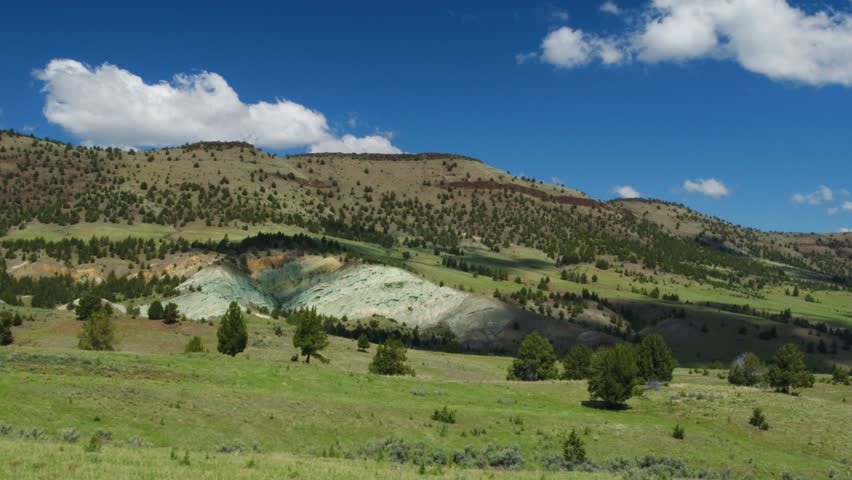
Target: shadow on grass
<point x="601" y="405"/>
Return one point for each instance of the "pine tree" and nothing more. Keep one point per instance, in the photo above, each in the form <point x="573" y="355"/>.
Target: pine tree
<point x="310" y="337"/>
<point x="535" y="360"/>
<point x="232" y="333"/>
<point x="573" y="451"/>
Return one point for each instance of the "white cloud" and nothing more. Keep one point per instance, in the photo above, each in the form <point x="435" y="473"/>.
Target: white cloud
<point x="556" y="181"/>
<point x="822" y="194"/>
<point x="769" y="37"/>
<point x="843" y="207"/>
<point x="709" y="187"/>
<point x="626" y="191"/>
<point x="845" y="230"/>
<point x="107" y="105"/>
<point x="568" y="48"/>
<point x="352" y="144"/>
<point x="558" y="14"/>
<point x="610" y="7"/>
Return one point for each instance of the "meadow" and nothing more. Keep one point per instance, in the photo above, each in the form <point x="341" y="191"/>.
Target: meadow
<point x="166" y="414"/>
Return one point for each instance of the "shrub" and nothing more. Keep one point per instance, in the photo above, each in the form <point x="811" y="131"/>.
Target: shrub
<point x="444" y="415"/>
<point x="87" y="305"/>
<point x="747" y="369"/>
<point x="840" y="376"/>
<point x="678" y="432"/>
<point x="788" y="369"/>
<point x="98" y="332"/>
<point x="194" y="345"/>
<point x="655" y="359"/>
<point x="615" y="374"/>
<point x="232" y="333"/>
<point x="535" y="360"/>
<point x="70" y="435"/>
<point x="390" y="359"/>
<point x="95" y="444"/>
<point x="758" y="419"/>
<point x="578" y="363"/>
<point x="573" y="450"/>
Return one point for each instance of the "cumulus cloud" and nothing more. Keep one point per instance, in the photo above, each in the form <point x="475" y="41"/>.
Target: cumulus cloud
<point x="352" y="144"/>
<point x="709" y="187"/>
<point x="821" y="195"/>
<point x="611" y="7"/>
<point x="844" y="207"/>
<point x="566" y="47"/>
<point x="626" y="191"/>
<point x="845" y="230"/>
<point x="108" y="105"/>
<point x="767" y="37"/>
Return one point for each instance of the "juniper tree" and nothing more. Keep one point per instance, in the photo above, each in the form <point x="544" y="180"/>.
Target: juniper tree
<point x="747" y="369"/>
<point x="788" y="369"/>
<point x="363" y="343"/>
<point x="6" y="337"/>
<point x="170" y="313"/>
<point x="535" y="360"/>
<point x="98" y="332"/>
<point x="232" y="333"/>
<point x="390" y="359"/>
<point x="155" y="310"/>
<point x="615" y="374"/>
<point x="655" y="359"/>
<point x="577" y="364"/>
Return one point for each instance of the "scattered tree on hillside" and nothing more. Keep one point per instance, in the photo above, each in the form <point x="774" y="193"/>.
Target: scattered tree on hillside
<point x="98" y="332"/>
<point x="363" y="343"/>
<point x="788" y="370"/>
<point x="170" y="313"/>
<point x="535" y="360"/>
<point x="577" y="365"/>
<point x="310" y="337"/>
<point x="615" y="374"/>
<point x="155" y="310"/>
<point x="232" y="333"/>
<point x="86" y="306"/>
<point x="390" y="359"/>
<point x="6" y="337"/>
<point x="194" y="345"/>
<point x="840" y="376"/>
<point x="655" y="359"/>
<point x="746" y="370"/>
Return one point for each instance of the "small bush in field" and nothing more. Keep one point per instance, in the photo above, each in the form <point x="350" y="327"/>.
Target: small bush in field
<point x="444" y="415"/>
<point x="678" y="432"/>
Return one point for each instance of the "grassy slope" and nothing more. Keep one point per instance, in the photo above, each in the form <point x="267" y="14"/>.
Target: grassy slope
<point x="294" y="412"/>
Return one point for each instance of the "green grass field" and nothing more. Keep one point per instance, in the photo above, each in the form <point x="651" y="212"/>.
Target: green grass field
<point x="306" y="420"/>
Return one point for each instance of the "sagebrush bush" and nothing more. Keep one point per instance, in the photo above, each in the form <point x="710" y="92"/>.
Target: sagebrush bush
<point x="70" y="435"/>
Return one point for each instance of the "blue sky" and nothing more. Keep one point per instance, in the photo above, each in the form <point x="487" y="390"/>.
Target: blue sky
<point x="662" y="96"/>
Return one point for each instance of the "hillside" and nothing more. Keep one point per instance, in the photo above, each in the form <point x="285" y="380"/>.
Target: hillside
<point x="549" y="257"/>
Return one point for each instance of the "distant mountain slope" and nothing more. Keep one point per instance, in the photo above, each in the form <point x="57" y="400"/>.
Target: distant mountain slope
<point x="434" y="200"/>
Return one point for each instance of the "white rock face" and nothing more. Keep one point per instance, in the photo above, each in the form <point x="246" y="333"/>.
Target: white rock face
<point x="220" y="285"/>
<point x="364" y="290"/>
